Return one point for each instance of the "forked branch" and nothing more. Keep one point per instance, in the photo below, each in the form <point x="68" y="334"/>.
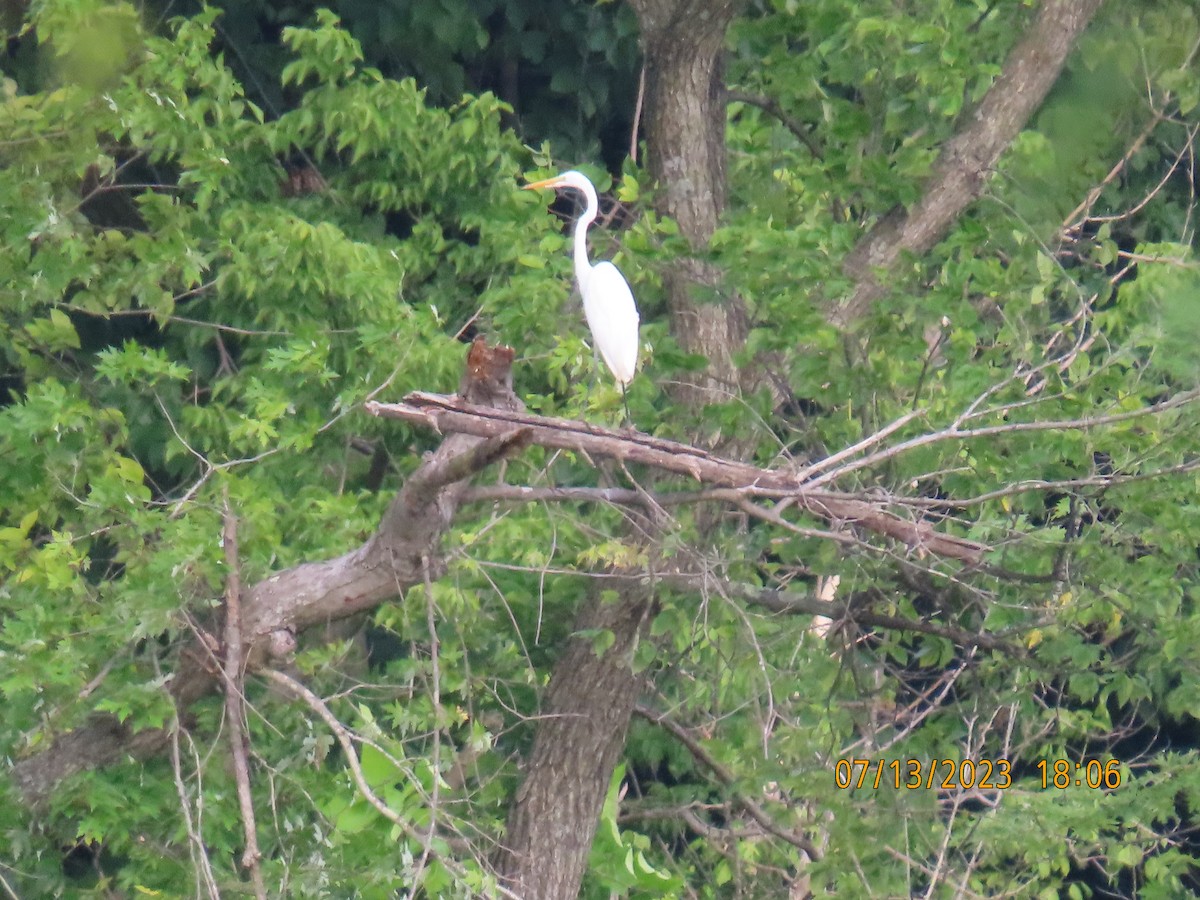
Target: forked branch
<point x="452" y="414"/>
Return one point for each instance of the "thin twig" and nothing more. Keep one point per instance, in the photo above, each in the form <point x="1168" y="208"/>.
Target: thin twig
<point x="232" y="673"/>
<point x="793" y="603"/>
<point x="344" y="738"/>
<point x="1071" y="222"/>
<point x="519" y="493"/>
<point x="772" y="106"/>
<point x="869" y="441"/>
<point x="1050" y="485"/>
<point x="88" y="689"/>
<point x="436" y="697"/>
<point x="756" y="812"/>
<point x="1153" y="192"/>
<point x="199" y="853"/>
<point x="954" y="432"/>
<point x="637" y="116"/>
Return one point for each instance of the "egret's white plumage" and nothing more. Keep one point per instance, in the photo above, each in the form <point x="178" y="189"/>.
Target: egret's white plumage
<point x="607" y="301"/>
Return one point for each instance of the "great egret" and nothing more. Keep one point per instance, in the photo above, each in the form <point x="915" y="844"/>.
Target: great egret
<point x="607" y="301"/>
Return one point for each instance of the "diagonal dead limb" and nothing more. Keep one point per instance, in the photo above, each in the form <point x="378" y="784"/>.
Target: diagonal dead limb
<point x="452" y="414"/>
<point x="961" y="171"/>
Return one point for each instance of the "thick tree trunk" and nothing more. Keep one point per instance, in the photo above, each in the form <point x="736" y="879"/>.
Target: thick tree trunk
<point x="579" y="740"/>
<point x="591" y="699"/>
<point x="683" y="46"/>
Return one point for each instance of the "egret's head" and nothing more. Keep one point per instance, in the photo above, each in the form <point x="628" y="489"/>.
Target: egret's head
<point x="571" y="179"/>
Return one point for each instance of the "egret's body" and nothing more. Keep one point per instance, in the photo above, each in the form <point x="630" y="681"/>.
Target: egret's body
<point x="607" y="301"/>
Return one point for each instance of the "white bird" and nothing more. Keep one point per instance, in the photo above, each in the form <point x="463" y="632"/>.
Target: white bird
<point x="607" y="301"/>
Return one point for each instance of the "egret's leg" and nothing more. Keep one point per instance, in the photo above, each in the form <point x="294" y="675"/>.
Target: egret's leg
<point x="593" y="377"/>
<point x="625" y="401"/>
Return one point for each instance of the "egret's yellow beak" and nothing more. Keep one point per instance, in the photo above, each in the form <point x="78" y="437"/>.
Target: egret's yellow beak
<point x="547" y="183"/>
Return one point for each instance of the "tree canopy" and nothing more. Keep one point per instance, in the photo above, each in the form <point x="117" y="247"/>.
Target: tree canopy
<point x="310" y="586"/>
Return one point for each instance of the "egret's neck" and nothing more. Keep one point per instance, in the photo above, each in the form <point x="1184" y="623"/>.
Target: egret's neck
<point x="582" y="266"/>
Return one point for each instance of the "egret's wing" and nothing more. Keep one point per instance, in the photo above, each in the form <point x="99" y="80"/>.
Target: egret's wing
<point x="613" y="318"/>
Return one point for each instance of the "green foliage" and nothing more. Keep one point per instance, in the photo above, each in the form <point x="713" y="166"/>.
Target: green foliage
<point x="203" y="275"/>
<point x="619" y="858"/>
<point x="174" y="321"/>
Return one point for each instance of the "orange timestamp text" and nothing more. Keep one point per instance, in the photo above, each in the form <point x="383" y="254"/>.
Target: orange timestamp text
<point x="967" y="774"/>
<point x="1092" y="773"/>
<point x="921" y="774"/>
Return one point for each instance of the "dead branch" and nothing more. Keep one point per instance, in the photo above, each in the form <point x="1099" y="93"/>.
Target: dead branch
<point x="206" y="881"/>
<point x="439" y="713"/>
<point x="1082" y="214"/>
<point x="344" y="738"/>
<point x="961" y="171"/>
<point x="452" y="414"/>
<point x="956" y="432"/>
<point x="293" y="687"/>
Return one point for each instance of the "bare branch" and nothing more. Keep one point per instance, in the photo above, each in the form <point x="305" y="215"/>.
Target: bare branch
<point x="1065" y="484"/>
<point x="520" y="493"/>
<point x="772" y="106"/>
<point x="316" y="704"/>
<point x="346" y="740"/>
<point x="1077" y="217"/>
<point x="1081" y="214"/>
<point x="869" y="441"/>
<point x="439" y="714"/>
<point x="852" y="610"/>
<point x="955" y="432"/>
<point x="199" y="853"/>
<point x="232" y="673"/>
<point x="449" y="413"/>
<point x="727" y="778"/>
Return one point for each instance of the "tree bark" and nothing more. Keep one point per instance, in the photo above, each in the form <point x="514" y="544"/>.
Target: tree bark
<point x="683" y="47"/>
<point x="580" y="737"/>
<point x="961" y="171"/>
